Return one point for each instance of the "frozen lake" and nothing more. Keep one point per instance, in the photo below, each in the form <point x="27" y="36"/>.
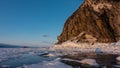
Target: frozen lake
<point x="45" y="58"/>
<point x="28" y="58"/>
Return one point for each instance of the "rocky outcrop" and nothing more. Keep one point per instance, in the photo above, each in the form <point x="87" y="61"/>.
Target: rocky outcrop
<point x="97" y="20"/>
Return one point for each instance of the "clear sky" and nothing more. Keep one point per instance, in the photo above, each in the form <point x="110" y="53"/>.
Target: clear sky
<point x="34" y="22"/>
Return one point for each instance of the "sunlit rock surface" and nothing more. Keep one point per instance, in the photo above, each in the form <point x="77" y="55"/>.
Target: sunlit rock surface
<point x="93" y="21"/>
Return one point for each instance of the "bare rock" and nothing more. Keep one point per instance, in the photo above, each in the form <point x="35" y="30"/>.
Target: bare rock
<point x="96" y="20"/>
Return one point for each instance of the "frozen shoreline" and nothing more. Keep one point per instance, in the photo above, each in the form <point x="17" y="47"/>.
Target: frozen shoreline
<point x="59" y="50"/>
<point x="110" y="51"/>
<point x="71" y="48"/>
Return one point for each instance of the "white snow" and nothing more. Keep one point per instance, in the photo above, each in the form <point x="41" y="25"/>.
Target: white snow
<point x="72" y="47"/>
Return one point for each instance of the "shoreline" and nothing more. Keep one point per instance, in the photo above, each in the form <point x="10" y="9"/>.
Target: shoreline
<point x="101" y="54"/>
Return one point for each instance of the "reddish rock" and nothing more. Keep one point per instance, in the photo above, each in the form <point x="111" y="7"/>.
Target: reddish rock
<point x="99" y="19"/>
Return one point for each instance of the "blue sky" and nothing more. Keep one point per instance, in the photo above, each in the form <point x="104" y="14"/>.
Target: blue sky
<point x="34" y="22"/>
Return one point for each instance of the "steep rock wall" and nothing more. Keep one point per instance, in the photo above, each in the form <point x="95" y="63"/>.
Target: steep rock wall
<point x="98" y="19"/>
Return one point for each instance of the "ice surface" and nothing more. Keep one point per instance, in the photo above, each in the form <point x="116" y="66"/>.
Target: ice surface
<point x="7" y="53"/>
<point x="52" y="64"/>
<point x="59" y="50"/>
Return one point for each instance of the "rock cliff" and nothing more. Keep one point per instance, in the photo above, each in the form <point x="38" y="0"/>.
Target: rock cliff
<point x="93" y="21"/>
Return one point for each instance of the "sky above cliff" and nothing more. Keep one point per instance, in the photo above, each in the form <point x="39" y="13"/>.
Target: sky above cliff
<point x="34" y="22"/>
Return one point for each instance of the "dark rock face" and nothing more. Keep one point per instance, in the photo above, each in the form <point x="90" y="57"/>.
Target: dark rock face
<point x="96" y="20"/>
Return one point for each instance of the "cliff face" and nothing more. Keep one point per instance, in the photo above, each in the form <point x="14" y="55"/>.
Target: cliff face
<point x="95" y="20"/>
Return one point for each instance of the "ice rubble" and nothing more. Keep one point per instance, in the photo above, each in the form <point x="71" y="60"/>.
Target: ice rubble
<point x="72" y="47"/>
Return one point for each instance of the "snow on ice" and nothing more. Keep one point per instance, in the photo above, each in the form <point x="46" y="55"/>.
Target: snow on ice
<point x="71" y="47"/>
<point x="52" y="64"/>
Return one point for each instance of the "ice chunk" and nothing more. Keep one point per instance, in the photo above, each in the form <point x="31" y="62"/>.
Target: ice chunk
<point x="118" y="58"/>
<point x="118" y="43"/>
<point x="49" y="55"/>
<point x="91" y="62"/>
<point x="98" y="50"/>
